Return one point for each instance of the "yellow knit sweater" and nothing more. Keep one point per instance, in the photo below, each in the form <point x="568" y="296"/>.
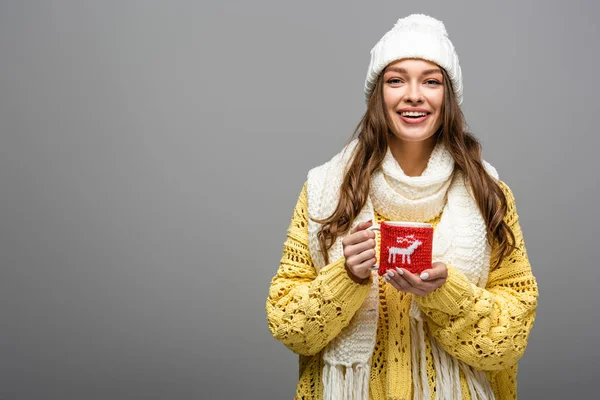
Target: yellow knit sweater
<point x="486" y="328"/>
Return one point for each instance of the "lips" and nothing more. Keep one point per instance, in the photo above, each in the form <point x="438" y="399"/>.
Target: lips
<point x="409" y="120"/>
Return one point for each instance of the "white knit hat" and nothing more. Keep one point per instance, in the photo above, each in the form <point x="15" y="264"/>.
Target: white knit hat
<point x="415" y="36"/>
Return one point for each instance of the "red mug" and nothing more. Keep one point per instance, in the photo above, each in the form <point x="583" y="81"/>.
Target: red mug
<point x="406" y="245"/>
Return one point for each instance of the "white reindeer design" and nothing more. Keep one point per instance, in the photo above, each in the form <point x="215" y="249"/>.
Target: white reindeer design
<point x="405" y="252"/>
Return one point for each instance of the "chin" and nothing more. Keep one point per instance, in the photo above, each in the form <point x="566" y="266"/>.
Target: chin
<point x="414" y="137"/>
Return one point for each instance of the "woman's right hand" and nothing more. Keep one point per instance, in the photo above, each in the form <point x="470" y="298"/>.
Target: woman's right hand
<point x="359" y="250"/>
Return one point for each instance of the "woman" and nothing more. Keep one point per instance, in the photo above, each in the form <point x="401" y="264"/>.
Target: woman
<point x="457" y="330"/>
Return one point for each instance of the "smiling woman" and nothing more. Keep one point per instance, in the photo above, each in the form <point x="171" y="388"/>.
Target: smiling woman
<point x="454" y="331"/>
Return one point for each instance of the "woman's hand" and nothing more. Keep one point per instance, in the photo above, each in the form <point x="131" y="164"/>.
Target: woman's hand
<point x="427" y="282"/>
<point x="359" y="250"/>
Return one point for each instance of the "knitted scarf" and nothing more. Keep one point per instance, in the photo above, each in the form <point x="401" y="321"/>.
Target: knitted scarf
<point x="459" y="240"/>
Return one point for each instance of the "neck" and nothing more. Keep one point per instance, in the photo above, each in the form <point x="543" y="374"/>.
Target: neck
<point x="412" y="156"/>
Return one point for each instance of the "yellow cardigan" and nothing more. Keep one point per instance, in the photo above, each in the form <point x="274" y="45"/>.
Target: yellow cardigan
<point x="486" y="328"/>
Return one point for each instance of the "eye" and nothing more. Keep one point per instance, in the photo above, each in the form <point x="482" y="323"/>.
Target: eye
<point x="433" y="82"/>
<point x="394" y="80"/>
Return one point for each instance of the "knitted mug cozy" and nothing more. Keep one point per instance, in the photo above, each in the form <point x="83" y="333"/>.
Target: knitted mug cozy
<point x="405" y="245"/>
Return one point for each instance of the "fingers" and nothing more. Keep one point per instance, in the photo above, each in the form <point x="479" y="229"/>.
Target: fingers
<point x="361" y="226"/>
<point x="364" y="268"/>
<point x="398" y="282"/>
<point x="409" y="282"/>
<point x="358" y="234"/>
<point x="356" y="259"/>
<point x="438" y="270"/>
<point x="359" y="247"/>
<point x="413" y="279"/>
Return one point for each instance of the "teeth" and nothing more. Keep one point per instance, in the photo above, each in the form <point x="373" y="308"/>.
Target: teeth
<point x="413" y="114"/>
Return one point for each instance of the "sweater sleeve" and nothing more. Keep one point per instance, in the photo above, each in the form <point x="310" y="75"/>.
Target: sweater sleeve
<point x="306" y="309"/>
<point x="486" y="328"/>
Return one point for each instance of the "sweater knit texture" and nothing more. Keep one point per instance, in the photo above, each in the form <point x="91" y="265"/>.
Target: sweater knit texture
<point x="487" y="328"/>
<point x="459" y="240"/>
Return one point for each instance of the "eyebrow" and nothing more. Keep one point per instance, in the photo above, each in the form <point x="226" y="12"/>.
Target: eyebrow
<point x="404" y="71"/>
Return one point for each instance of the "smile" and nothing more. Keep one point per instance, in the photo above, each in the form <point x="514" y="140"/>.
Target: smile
<point x="413" y="118"/>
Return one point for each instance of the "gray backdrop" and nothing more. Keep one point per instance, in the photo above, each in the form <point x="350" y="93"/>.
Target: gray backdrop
<point x="152" y="154"/>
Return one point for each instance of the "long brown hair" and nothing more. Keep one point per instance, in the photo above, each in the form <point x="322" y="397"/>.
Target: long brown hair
<point x="372" y="132"/>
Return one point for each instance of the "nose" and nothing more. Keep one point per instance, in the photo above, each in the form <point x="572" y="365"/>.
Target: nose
<point x="413" y="94"/>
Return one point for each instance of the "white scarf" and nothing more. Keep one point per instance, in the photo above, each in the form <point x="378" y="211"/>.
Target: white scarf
<point x="459" y="240"/>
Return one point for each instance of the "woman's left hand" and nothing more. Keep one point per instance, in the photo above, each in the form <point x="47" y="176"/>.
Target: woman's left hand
<point x="406" y="281"/>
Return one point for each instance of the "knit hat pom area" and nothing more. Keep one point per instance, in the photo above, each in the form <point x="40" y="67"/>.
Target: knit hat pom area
<point x="415" y="36"/>
<point x="421" y="22"/>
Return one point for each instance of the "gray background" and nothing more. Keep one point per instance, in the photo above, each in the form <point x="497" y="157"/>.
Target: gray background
<point x="151" y="154"/>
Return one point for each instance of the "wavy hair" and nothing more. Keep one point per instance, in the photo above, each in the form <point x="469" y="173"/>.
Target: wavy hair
<point x="373" y="131"/>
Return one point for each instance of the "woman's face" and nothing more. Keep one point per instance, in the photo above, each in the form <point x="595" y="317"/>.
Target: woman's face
<point x="413" y="92"/>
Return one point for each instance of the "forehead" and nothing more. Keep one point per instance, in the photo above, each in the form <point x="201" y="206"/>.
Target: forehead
<point x="411" y="65"/>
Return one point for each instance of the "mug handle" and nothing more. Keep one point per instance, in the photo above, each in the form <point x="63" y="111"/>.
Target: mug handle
<point x="374" y="228"/>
